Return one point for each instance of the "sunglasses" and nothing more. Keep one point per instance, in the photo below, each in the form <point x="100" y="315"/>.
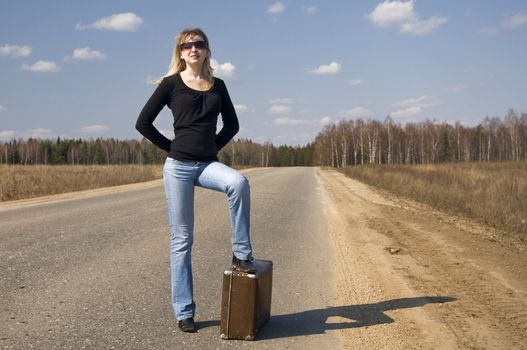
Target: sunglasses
<point x="197" y="44"/>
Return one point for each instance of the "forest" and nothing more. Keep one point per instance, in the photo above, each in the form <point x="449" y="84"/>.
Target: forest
<point x="238" y="153"/>
<point x="348" y="142"/>
<point x="353" y="142"/>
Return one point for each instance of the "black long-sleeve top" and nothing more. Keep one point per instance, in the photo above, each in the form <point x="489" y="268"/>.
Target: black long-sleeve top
<point x="195" y="117"/>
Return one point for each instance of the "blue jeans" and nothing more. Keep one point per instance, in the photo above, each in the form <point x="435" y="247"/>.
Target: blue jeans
<point x="180" y="178"/>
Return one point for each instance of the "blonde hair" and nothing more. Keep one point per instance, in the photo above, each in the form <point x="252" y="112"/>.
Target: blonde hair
<point x="178" y="65"/>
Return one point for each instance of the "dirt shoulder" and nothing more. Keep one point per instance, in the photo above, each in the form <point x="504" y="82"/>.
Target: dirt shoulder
<point x="410" y="277"/>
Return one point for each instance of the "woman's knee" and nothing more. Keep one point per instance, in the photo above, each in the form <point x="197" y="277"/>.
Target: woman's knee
<point x="240" y="184"/>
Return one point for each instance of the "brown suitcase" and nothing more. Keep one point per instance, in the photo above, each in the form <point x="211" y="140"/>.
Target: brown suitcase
<point x="246" y="301"/>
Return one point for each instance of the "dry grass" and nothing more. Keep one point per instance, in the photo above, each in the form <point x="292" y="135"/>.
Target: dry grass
<point x="491" y="193"/>
<point x="21" y="182"/>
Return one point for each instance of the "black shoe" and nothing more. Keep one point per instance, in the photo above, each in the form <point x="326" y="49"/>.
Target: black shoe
<point x="187" y="325"/>
<point x="246" y="266"/>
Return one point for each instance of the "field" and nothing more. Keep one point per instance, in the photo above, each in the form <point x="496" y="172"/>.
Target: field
<point x="21" y="182"/>
<point x="492" y="193"/>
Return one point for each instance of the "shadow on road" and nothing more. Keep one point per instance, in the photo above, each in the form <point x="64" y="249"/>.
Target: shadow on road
<point x="316" y="321"/>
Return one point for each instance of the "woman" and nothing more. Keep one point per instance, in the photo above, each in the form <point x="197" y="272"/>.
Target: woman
<point x="196" y="98"/>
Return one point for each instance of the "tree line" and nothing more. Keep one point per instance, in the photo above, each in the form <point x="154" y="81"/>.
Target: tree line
<point x="240" y="153"/>
<point x="351" y="142"/>
<point x="347" y="142"/>
<point x="79" y="151"/>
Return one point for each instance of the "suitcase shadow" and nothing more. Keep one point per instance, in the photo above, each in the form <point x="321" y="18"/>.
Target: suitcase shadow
<point x="316" y="321"/>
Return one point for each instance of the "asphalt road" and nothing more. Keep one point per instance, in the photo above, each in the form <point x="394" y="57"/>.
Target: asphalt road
<point x="93" y="272"/>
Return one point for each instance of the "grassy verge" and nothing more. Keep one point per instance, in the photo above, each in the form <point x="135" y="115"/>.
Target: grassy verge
<point x="21" y="182"/>
<point x="492" y="193"/>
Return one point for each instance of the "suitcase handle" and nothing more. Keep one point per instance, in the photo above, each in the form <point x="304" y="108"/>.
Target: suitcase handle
<point x="229" y="305"/>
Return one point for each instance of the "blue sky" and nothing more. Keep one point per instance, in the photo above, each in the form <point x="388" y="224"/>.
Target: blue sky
<point x="81" y="68"/>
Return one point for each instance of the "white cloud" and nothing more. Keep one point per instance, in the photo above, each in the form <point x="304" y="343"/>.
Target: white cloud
<point x="6" y="135"/>
<point x="279" y="109"/>
<point x="280" y="101"/>
<point x="355" y="82"/>
<point x="42" y="67"/>
<point x="2" y="108"/>
<point x="402" y="15"/>
<point x="241" y="108"/>
<point x="392" y="13"/>
<point x="290" y="121"/>
<point x="515" y="21"/>
<point x="277" y="7"/>
<point x="331" y="68"/>
<point x="423" y="101"/>
<point x="407" y="112"/>
<point x="422" y="27"/>
<point x="310" y="10"/>
<point x="15" y="50"/>
<point x="41" y="133"/>
<point x="122" y="22"/>
<point x="94" y="129"/>
<point x="357" y="112"/>
<point x="223" y="70"/>
<point x="325" y="120"/>
<point x="86" y="53"/>
<point x="414" y="106"/>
